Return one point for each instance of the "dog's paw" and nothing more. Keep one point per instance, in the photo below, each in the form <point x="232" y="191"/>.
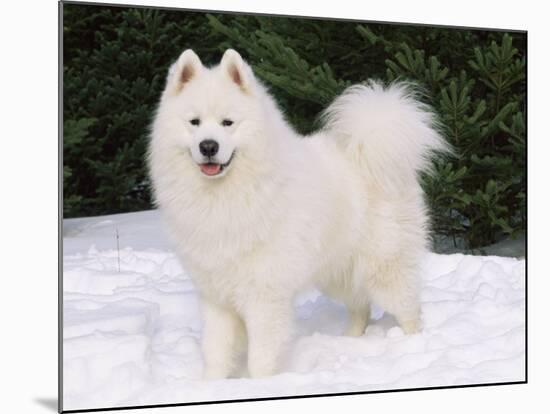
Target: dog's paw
<point x="355" y="330"/>
<point x="261" y="367"/>
<point x="411" y="327"/>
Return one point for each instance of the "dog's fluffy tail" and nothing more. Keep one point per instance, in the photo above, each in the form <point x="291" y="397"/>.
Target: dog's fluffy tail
<point x="387" y="131"/>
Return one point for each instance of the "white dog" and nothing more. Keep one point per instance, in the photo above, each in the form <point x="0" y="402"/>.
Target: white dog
<point x="259" y="213"/>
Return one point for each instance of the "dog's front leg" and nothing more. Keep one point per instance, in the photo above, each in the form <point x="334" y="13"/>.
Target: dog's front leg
<point x="223" y="338"/>
<point x="269" y="328"/>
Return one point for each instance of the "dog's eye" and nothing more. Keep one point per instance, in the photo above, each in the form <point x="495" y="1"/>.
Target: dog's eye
<point x="195" y="121"/>
<point x="227" y="122"/>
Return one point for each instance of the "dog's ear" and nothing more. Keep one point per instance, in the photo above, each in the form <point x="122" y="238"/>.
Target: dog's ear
<point x="182" y="71"/>
<point x="238" y="71"/>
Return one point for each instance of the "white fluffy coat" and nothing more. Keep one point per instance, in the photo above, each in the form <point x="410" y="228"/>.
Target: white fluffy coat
<point x="341" y="209"/>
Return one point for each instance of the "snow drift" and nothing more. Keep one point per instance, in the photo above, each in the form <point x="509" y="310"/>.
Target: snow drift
<point x="132" y="327"/>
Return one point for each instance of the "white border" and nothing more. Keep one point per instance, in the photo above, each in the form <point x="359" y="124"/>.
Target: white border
<point x="28" y="162"/>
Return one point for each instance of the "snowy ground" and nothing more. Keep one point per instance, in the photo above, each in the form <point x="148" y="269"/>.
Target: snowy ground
<point x="131" y="336"/>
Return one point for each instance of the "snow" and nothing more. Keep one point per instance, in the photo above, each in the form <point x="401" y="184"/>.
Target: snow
<point x="132" y="327"/>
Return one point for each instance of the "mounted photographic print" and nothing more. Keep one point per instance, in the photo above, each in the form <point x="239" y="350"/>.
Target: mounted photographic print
<point x="257" y="207"/>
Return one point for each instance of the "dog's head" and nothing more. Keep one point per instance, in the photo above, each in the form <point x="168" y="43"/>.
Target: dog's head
<point x="212" y="114"/>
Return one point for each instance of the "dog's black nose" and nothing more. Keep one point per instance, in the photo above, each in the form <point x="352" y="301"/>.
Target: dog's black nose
<point x="209" y="147"/>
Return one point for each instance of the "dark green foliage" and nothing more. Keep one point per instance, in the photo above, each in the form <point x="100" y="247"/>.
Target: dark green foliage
<point x="115" y="64"/>
<point x="116" y="59"/>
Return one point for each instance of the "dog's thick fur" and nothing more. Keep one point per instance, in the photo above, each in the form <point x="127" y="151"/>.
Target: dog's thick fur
<point x="341" y="209"/>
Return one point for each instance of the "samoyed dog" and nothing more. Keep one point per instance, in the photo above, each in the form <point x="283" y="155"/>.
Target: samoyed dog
<point x="259" y="213"/>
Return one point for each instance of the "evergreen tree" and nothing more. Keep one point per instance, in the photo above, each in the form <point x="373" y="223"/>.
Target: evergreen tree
<point x="116" y="59"/>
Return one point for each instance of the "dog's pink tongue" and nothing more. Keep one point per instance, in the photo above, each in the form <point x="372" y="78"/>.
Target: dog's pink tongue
<point x="210" y="169"/>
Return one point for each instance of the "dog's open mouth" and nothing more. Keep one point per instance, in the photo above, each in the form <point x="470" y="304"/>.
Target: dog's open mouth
<point x="212" y="168"/>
